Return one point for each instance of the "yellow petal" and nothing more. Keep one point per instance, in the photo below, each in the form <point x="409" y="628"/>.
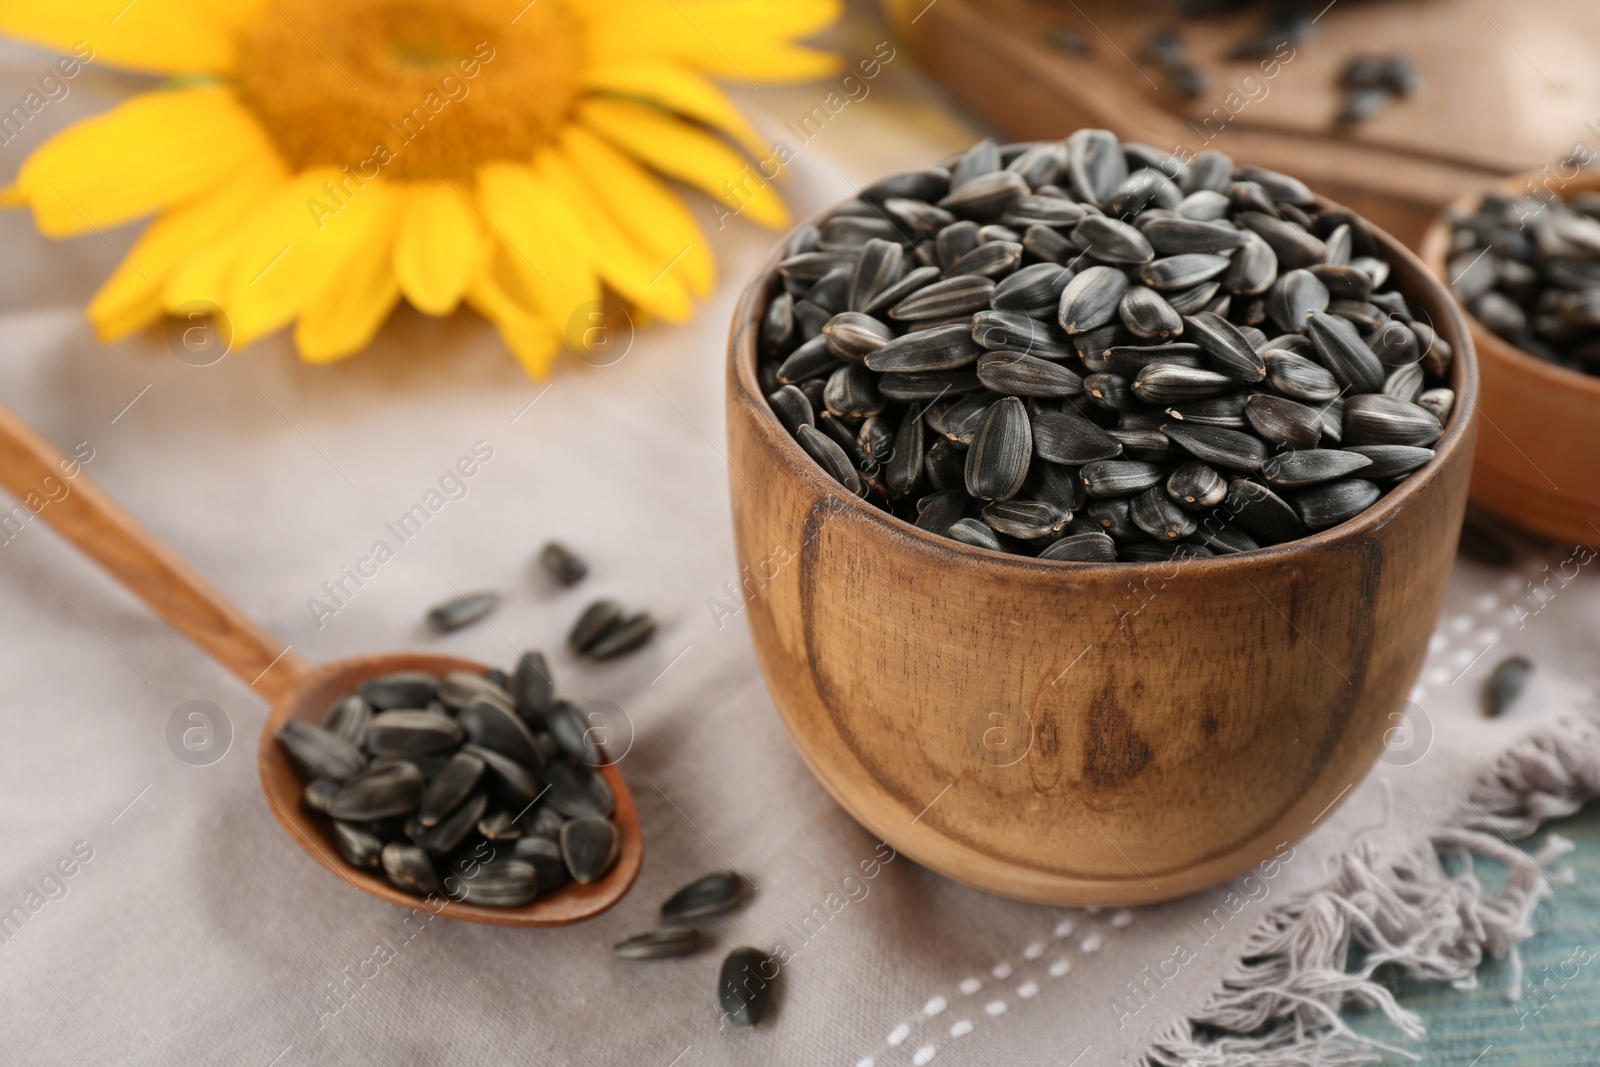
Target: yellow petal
<point x="544" y="239"/>
<point x="148" y="153"/>
<point x="643" y="206"/>
<point x="681" y="151"/>
<point x="132" y="296"/>
<point x="438" y="245"/>
<point x="294" y="247"/>
<point x="498" y="293"/>
<point x="737" y="39"/>
<point x="159" y="36"/>
<point x="643" y="282"/>
<point x="345" y="317"/>
<point x="676" y="88"/>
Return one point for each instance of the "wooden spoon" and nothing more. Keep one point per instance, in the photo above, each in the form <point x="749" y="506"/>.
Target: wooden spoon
<point x="35" y="473"/>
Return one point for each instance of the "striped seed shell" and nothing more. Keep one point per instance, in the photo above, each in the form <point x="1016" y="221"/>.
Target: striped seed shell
<point x="710" y="895"/>
<point x="963" y="418"/>
<point x="1169" y="383"/>
<point x="1069" y="439"/>
<point x="1119" y="477"/>
<point x="982" y="158"/>
<point x="1095" y="164"/>
<point x="390" y="788"/>
<point x="1226" y="410"/>
<point x="1229" y="349"/>
<point x="1335" y="502"/>
<point x="1312" y="466"/>
<point x="1196" y="485"/>
<point x="997" y="462"/>
<point x="321" y="753"/>
<point x="1145" y="188"/>
<point x="1129" y="360"/>
<point x="1019" y="332"/>
<point x="1294" y="297"/>
<point x="985" y="197"/>
<point x="1438" y="402"/>
<point x="1019" y="374"/>
<point x="409" y="868"/>
<point x="1031" y="288"/>
<point x="1113" y="517"/>
<point x="903" y="473"/>
<point x="1184" y="272"/>
<point x="941" y="348"/>
<point x="831" y="458"/>
<point x="1180" y="236"/>
<point x="1292" y="245"/>
<point x="976" y="533"/>
<point x="811" y="266"/>
<point x="920" y="219"/>
<point x="853" y="390"/>
<point x="1396" y="344"/>
<point x="1404" y="383"/>
<point x="1055" y="484"/>
<point x="1146" y="445"/>
<point x="912" y="282"/>
<point x="1204" y="205"/>
<point x="850" y="335"/>
<point x="1112" y="240"/>
<point x="989" y="260"/>
<point x="1376" y="419"/>
<point x="1218" y="445"/>
<point x="1391" y="461"/>
<point x="1280" y="188"/>
<point x="348" y="718"/>
<point x="1082" y="548"/>
<point x="1343" y="282"/>
<point x="792" y="408"/>
<point x="1298" y="377"/>
<point x="449" y="787"/>
<point x="939" y="511"/>
<point x="1047" y="244"/>
<point x="1263" y="513"/>
<point x="1090" y="299"/>
<point x="1195" y="298"/>
<point x="1147" y="315"/>
<point x="400" y="733"/>
<point x="1026" y="519"/>
<point x="959" y="295"/>
<point x="811" y="360"/>
<point x="1346" y="356"/>
<point x="1157" y="515"/>
<point x="1253" y="270"/>
<point x="1040" y="163"/>
<point x="928" y="385"/>
<point x="1110" y="391"/>
<point x="1282" y="421"/>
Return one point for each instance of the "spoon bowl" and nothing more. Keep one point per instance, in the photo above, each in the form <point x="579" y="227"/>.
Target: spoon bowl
<point x="94" y="523"/>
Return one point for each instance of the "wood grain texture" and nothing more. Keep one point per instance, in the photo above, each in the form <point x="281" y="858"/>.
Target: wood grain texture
<point x="94" y="523"/>
<point x="1536" y="460"/>
<point x="1165" y="727"/>
<point x="1488" y="108"/>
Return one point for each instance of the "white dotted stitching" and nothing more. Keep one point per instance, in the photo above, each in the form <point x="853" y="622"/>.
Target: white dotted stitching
<point x="935" y="1006"/>
<point x="924" y="1054"/>
<point x="995" y="1007"/>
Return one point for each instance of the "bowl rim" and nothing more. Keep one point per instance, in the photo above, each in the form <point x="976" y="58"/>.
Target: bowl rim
<point x="1434" y="249"/>
<point x="1458" y="433"/>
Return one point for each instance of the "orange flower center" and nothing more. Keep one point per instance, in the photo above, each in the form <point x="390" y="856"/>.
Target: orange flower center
<point x="409" y="88"/>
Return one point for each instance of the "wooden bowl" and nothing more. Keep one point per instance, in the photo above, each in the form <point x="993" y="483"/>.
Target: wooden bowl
<point x="1073" y="733"/>
<point x="1536" y="459"/>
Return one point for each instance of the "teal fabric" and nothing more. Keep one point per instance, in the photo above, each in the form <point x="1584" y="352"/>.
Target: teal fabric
<point x="1556" y="1023"/>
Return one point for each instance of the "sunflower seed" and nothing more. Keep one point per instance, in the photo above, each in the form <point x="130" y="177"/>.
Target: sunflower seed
<point x="1112" y="241"/>
<point x="409" y="868"/>
<point x="1346" y="356"/>
<point x="402" y="689"/>
<point x="1437" y="402"/>
<point x="1391" y="461"/>
<point x="400" y="733"/>
<point x="1283" y="422"/>
<point x="1095" y="164"/>
<point x="359" y="846"/>
<point x="1157" y="515"/>
<point x="986" y="196"/>
<point x="903" y="474"/>
<point x="1167" y="383"/>
<point x="665" y="943"/>
<point x="1142" y="189"/>
<point x="1294" y="297"/>
<point x="1218" y="445"/>
<point x="830" y="457"/>
<point x="998" y="461"/>
<point x="1298" y="377"/>
<point x="1018" y="332"/>
<point x="852" y="391"/>
<point x="1017" y="374"/>
<point x="1335" y="502"/>
<point x="1254" y="268"/>
<point x="1209" y="170"/>
<point x="1296" y="470"/>
<point x="391" y="788"/>
<point x="597" y="618"/>
<point x="1196" y="485"/>
<point x="1090" y="299"/>
<point x="744" y="988"/>
<point x="811" y="266"/>
<point x="1118" y="477"/>
<point x="1226" y="411"/>
<point x="1404" y="383"/>
<point x="929" y="184"/>
<point x="1032" y="287"/>
<point x="507" y="780"/>
<point x="626" y="636"/>
<point x="960" y="295"/>
<point x="976" y="533"/>
<point x="453" y="785"/>
<point x="543" y="853"/>
<point x="462" y="611"/>
<point x="1147" y="446"/>
<point x="490" y="725"/>
<point x="319" y="794"/>
<point x="710" y="895"/>
<point x="1506" y="684"/>
<point x="1027" y="212"/>
<point x="1262" y="512"/>
<point x="989" y="260"/>
<point x="1229" y="349"/>
<point x="1082" y="548"/>
<point x="1376" y="419"/>
<point x="589" y="845"/>
<point x="348" y="718"/>
<point x="1147" y="315"/>
<point x="447" y="834"/>
<point x="1026" y="519"/>
<point x="1187" y="235"/>
<point x="814" y="359"/>
<point x="1110" y="391"/>
<point x="852" y="335"/>
<point x="1066" y="438"/>
<point x="1128" y="361"/>
<point x="1203" y="205"/>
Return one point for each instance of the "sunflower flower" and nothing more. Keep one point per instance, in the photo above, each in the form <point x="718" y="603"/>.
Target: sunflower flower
<point x="310" y="162"/>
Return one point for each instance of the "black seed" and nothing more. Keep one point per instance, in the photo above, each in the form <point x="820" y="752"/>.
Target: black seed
<point x="624" y="637"/>
<point x="1262" y="512"/>
<point x="392" y="788"/>
<point x="1156" y="514"/>
<point x="597" y="618"/>
<point x="403" y="689"/>
<point x="1391" y="461"/>
<point x="1090" y="299"/>
<point x="665" y="943"/>
<point x="710" y="895"/>
<point x="589" y="845"/>
<point x="453" y="785"/>
<point x="1118" y="477"/>
<point x="1195" y="485"/>
<point x="1345" y="355"/>
<point x="409" y="868"/>
<point x="1218" y="445"/>
<point x="745" y="986"/>
<point x="1082" y="548"/>
<point x="1336" y="502"/>
<point x="1506" y="684"/>
<point x="1016" y="374"/>
<point x="1229" y="349"/>
<point x="1283" y="422"/>
<point x="998" y="461"/>
<point x="359" y="846"/>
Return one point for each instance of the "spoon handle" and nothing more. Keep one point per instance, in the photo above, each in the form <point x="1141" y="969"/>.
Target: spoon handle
<point x="53" y="488"/>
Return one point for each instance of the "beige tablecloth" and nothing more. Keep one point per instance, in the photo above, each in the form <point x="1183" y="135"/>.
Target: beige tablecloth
<point x="192" y="930"/>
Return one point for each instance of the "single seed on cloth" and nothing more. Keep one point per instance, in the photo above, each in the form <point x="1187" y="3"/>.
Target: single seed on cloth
<point x="533" y="685"/>
<point x="624" y="637"/>
<point x="1505" y="684"/>
<point x="564" y="566"/>
<point x="745" y="986"/>
<point x="667" y="942"/>
<point x="710" y="895"/>
<point x="460" y="612"/>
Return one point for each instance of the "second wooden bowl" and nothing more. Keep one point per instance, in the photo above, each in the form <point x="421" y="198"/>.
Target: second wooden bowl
<point x="1080" y="734"/>
<point x="1541" y="422"/>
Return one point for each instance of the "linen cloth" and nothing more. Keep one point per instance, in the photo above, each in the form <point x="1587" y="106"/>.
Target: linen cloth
<point x="196" y="931"/>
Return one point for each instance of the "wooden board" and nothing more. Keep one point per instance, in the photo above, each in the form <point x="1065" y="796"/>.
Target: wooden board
<point x="1509" y="85"/>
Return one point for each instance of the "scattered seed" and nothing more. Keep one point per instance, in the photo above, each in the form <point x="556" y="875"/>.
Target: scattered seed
<point x="1506" y="684"/>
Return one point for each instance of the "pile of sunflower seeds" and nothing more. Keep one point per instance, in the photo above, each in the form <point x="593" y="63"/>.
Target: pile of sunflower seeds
<point x="1529" y="270"/>
<point x="1084" y="350"/>
<point x="480" y="786"/>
